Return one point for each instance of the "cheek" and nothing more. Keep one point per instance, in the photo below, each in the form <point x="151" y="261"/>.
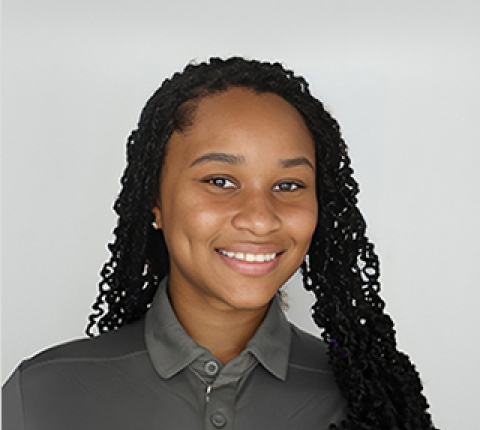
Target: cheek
<point x="196" y="218"/>
<point x="208" y="221"/>
<point x="302" y="223"/>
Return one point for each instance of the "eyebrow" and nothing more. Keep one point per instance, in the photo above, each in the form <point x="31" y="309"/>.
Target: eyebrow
<point x="221" y="157"/>
<point x="293" y="162"/>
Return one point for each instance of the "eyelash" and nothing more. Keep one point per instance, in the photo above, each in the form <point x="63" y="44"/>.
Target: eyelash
<point x="221" y="181"/>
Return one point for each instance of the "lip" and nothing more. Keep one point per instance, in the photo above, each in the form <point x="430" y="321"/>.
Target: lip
<point x="251" y="268"/>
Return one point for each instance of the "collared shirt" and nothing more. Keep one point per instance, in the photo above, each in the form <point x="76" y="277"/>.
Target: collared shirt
<point x="152" y="375"/>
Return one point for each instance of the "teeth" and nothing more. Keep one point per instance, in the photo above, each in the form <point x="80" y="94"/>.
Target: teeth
<point x="258" y="258"/>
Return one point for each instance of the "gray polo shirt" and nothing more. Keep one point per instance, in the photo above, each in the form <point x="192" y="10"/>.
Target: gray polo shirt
<point x="152" y="375"/>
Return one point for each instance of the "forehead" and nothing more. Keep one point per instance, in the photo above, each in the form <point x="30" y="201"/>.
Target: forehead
<point x="242" y="114"/>
<point x="244" y="104"/>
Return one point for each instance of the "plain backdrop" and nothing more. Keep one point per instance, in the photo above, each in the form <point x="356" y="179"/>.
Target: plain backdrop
<point x="402" y="77"/>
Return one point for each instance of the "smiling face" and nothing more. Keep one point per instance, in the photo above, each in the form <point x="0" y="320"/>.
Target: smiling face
<point x="237" y="202"/>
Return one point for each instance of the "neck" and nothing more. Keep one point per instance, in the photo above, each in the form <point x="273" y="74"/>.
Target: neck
<point x="224" y="331"/>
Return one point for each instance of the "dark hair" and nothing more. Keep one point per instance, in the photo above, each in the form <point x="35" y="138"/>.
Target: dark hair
<point x="380" y="383"/>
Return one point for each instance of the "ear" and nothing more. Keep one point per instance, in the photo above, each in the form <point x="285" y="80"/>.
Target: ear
<point x="157" y="213"/>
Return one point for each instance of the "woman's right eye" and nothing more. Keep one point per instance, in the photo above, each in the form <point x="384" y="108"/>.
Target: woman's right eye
<point x="220" y="182"/>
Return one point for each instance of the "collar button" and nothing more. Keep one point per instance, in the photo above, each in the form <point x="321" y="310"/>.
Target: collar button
<point x="211" y="367"/>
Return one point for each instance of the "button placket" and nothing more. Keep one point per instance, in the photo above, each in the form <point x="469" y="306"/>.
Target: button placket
<point x="219" y="411"/>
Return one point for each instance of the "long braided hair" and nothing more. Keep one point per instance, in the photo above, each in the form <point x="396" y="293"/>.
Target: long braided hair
<point x="380" y="383"/>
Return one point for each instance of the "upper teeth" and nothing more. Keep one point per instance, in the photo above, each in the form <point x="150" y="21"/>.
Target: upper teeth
<point x="245" y="256"/>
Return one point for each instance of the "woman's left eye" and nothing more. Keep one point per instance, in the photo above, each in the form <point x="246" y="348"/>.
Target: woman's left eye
<point x="288" y="186"/>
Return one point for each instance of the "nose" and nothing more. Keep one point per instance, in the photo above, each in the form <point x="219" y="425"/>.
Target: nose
<point x="257" y="214"/>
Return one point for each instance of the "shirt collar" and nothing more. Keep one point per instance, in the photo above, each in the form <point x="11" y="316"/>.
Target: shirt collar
<point x="171" y="349"/>
<point x="271" y="343"/>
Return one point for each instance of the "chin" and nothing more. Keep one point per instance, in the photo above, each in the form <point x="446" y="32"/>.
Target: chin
<point x="252" y="302"/>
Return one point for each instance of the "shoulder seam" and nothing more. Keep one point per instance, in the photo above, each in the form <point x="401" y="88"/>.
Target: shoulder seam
<point x="309" y="369"/>
<point x="85" y="359"/>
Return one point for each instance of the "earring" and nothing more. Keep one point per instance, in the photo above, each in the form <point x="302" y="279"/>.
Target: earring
<point x="155" y="225"/>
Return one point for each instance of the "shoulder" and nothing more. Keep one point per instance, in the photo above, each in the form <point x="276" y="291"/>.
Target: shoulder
<point x="65" y="371"/>
<point x="111" y="345"/>
<point x="308" y="351"/>
<point x="70" y="385"/>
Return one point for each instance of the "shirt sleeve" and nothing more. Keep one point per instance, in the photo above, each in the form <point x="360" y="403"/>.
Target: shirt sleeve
<point x="12" y="413"/>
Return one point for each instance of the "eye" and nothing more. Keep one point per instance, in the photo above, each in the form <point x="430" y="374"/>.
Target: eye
<point x="220" y="182"/>
<point x="288" y="186"/>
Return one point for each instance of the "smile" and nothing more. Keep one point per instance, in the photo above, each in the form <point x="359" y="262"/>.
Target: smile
<point x="248" y="257"/>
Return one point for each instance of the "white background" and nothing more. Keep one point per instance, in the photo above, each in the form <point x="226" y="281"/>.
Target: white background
<point x="402" y="77"/>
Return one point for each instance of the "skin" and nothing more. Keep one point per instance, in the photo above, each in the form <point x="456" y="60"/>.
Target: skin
<point x="240" y="179"/>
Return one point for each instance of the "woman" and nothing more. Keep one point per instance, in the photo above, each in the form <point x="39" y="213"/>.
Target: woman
<point x="236" y="177"/>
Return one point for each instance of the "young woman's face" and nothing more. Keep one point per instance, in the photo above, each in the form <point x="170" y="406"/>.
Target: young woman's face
<point x="237" y="202"/>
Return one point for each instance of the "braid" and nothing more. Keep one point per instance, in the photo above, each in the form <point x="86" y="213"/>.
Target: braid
<point x="341" y="268"/>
